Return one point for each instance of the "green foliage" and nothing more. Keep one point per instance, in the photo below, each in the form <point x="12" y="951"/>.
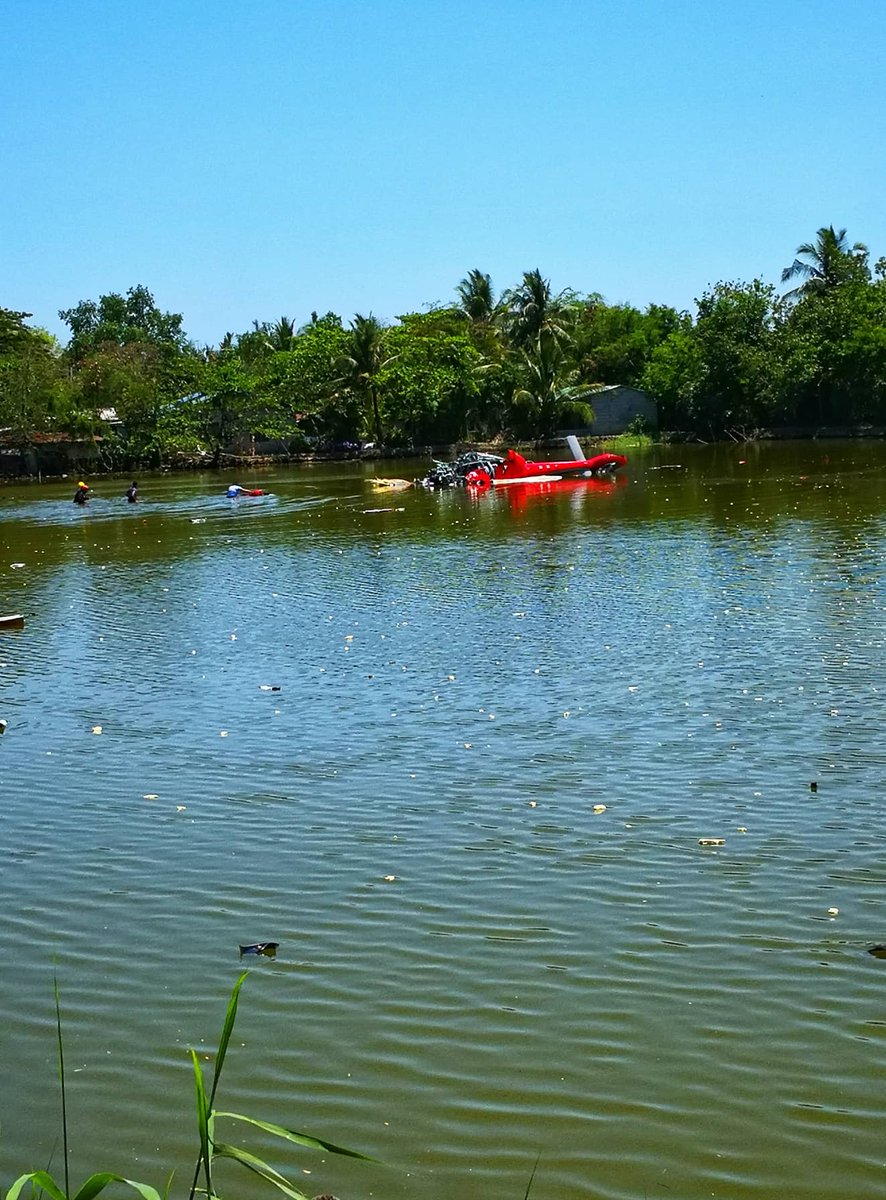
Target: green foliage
<point x="522" y="362"/>
<point x="366" y="356"/>
<point x="95" y="1184"/>
<point x="551" y="394"/>
<point x="121" y="320"/>
<point x="477" y="299"/>
<point x="302" y="382"/>
<point x="429" y="381"/>
<point x="209" y="1148"/>
<point x="827" y="263"/>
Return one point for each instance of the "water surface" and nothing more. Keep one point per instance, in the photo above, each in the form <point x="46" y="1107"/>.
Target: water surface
<point x="463" y="683"/>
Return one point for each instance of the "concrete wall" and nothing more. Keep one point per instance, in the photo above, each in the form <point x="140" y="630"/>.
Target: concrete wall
<point x="617" y="406"/>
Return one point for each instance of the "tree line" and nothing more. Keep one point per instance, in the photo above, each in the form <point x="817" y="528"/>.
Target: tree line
<point x="519" y="364"/>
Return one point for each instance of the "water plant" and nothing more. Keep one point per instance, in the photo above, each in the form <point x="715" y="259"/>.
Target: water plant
<point x="210" y="1149"/>
<point x="42" y="1181"/>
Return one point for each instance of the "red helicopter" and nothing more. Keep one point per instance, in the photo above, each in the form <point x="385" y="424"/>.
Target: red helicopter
<point x="482" y="471"/>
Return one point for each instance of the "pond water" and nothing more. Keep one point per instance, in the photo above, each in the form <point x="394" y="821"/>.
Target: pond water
<point x="478" y="962"/>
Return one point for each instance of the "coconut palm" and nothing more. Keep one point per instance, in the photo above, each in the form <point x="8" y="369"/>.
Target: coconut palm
<point x="366" y="356"/>
<point x="550" y="384"/>
<point x="281" y="335"/>
<point x="476" y="298"/>
<point x="825" y="263"/>
<point x="531" y="307"/>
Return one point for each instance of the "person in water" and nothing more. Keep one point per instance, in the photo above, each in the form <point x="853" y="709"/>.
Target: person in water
<point x="236" y="490"/>
<point x="82" y="493"/>
<point x="132" y="492"/>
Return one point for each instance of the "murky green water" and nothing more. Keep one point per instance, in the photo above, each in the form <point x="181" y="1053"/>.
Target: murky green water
<point x="461" y="683"/>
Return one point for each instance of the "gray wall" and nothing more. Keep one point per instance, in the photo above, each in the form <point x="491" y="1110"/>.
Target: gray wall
<point x="615" y="408"/>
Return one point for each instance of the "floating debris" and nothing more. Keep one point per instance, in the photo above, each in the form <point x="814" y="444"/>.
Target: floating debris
<point x="833" y="912"/>
<point x="13" y="621"/>
<point x="599" y="808"/>
<point x="96" y="729"/>
<point x="394" y="485"/>
<point x="269" y="687"/>
<point x="269" y="949"/>
<point x="712" y="841"/>
<point x="390" y="878"/>
<point x="813" y="787"/>
<point x="878" y="951"/>
<point x="3" y="725"/>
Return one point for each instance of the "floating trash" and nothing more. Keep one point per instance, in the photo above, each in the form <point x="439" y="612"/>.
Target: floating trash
<point x="269" y="949"/>
<point x="269" y="687"/>
<point x="395" y="485"/>
<point x="712" y="841"/>
<point x="390" y="878"/>
<point x="599" y="808"/>
<point x="813" y="787"/>
<point x="3" y="725"/>
<point x="833" y="912"/>
<point x="96" y="729"/>
<point x="878" y="951"/>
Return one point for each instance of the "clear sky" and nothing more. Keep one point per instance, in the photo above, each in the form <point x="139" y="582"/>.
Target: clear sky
<point x="246" y="161"/>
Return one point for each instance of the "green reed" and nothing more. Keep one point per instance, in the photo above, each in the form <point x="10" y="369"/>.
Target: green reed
<point x="209" y="1150"/>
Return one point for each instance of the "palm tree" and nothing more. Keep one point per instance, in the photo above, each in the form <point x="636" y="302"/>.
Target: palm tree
<point x="550" y="383"/>
<point x="829" y="261"/>
<point x="366" y="357"/>
<point x="281" y="335"/>
<point x="476" y="298"/>
<point x="531" y="307"/>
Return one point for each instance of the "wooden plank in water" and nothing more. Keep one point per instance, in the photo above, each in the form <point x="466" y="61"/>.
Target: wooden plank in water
<point x="14" y="621"/>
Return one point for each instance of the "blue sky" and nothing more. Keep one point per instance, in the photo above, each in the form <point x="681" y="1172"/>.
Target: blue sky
<point x="246" y="161"/>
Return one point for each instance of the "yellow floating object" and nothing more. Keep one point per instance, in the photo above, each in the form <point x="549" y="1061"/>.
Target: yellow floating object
<point x="390" y="485"/>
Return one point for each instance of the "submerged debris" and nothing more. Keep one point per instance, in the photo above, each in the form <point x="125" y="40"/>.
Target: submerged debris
<point x="269" y="949"/>
<point x="449" y="475"/>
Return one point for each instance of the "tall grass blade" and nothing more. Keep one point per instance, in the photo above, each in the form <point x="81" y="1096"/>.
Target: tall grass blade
<point x="96" y="1184"/>
<point x="532" y="1176"/>
<point x="228" y="1029"/>
<point x="303" y="1139"/>
<point x="61" y="1080"/>
<point x="205" y="1156"/>
<point x="37" y="1179"/>
<point x="260" y="1168"/>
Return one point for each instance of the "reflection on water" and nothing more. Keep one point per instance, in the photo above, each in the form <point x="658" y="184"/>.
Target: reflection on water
<point x="477" y="961"/>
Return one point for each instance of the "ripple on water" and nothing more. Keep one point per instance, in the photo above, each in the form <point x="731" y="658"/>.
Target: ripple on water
<point x="459" y="687"/>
